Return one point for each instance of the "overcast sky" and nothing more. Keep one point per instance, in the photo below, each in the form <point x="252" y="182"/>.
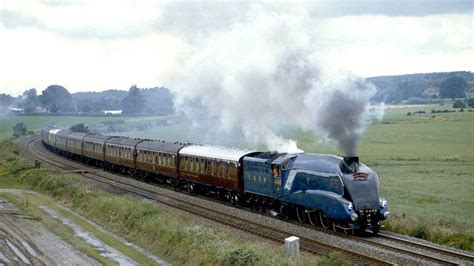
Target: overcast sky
<point x="98" y="45"/>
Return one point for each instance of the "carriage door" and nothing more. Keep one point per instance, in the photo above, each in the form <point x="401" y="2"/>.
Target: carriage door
<point x="276" y="173"/>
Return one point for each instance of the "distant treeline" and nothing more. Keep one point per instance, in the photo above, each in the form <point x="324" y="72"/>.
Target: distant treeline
<point x="56" y="99"/>
<point x="421" y="88"/>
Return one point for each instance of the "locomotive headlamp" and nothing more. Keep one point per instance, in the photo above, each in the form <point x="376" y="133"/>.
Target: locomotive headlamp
<point x="350" y="206"/>
<point x="383" y="202"/>
<point x="354" y="217"/>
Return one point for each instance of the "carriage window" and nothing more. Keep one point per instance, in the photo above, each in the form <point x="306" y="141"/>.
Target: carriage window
<point x="222" y="173"/>
<point x="206" y="166"/>
<point x="213" y="168"/>
<point x="226" y="169"/>
<point x="209" y="168"/>
<point x="198" y="165"/>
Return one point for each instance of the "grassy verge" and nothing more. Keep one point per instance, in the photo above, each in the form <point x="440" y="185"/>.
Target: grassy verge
<point x="170" y="235"/>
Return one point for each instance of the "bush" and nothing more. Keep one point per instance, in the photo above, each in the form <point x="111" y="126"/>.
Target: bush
<point x="244" y="256"/>
<point x="80" y="128"/>
<point x="334" y="258"/>
<point x="19" y="130"/>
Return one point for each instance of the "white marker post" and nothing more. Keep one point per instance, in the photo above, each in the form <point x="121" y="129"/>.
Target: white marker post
<point x="292" y="246"/>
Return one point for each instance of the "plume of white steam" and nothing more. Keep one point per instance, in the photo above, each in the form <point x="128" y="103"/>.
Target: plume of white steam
<point x="262" y="75"/>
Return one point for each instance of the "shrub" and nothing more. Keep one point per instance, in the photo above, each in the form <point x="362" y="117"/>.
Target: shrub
<point x="19" y="130"/>
<point x="244" y="256"/>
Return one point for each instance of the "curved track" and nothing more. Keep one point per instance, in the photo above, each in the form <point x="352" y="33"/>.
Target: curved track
<point x="34" y="149"/>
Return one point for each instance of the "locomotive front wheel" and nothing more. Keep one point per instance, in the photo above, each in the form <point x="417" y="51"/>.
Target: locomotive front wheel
<point x="301" y="214"/>
<point x="325" y="221"/>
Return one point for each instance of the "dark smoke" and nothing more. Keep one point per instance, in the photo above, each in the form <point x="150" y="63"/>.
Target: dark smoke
<point x="342" y="118"/>
<point x="265" y="74"/>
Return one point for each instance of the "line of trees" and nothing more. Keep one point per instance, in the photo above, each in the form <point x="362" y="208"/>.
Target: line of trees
<point x="57" y="99"/>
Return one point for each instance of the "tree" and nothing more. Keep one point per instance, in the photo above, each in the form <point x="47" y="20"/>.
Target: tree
<point x="5" y="101"/>
<point x="56" y="99"/>
<point x="134" y="102"/>
<point x="79" y="128"/>
<point x="30" y="101"/>
<point x="19" y="130"/>
<point x="459" y="104"/>
<point x="470" y="102"/>
<point x="454" y="87"/>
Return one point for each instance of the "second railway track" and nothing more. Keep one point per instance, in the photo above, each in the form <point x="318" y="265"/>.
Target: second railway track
<point x="34" y="149"/>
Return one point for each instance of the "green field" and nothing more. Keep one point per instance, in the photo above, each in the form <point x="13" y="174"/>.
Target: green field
<point x="425" y="163"/>
<point x="36" y="122"/>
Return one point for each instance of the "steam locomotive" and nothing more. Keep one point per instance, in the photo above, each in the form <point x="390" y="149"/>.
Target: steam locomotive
<point x="331" y="191"/>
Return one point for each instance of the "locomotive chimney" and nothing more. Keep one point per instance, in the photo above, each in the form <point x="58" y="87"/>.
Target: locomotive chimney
<point x="351" y="159"/>
<point x="352" y="162"/>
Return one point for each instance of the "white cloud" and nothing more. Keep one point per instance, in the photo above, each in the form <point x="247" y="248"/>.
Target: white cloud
<point x="35" y="59"/>
<point x="96" y="45"/>
<point x="381" y="45"/>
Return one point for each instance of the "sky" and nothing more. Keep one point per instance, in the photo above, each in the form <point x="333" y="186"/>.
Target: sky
<point x="87" y="45"/>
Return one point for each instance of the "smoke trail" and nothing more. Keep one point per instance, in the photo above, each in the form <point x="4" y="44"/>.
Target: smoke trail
<point x="264" y="74"/>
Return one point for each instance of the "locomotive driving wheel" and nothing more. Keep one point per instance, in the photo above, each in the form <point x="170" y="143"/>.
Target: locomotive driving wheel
<point x="301" y="214"/>
<point x="325" y="221"/>
<point x="313" y="217"/>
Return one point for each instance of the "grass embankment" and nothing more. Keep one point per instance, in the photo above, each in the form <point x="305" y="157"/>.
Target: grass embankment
<point x="179" y="238"/>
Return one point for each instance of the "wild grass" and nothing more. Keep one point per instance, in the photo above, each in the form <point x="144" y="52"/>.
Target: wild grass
<point x="175" y="236"/>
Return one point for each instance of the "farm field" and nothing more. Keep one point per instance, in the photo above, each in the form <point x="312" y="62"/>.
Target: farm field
<point x="36" y="122"/>
<point x="425" y="163"/>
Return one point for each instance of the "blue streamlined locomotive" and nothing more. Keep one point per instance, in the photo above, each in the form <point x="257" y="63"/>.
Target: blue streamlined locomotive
<point x="334" y="192"/>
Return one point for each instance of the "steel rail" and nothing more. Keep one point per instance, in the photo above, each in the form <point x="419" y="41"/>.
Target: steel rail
<point x="264" y="231"/>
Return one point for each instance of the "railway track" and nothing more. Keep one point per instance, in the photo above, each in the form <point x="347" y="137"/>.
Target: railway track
<point x="427" y="248"/>
<point x="34" y="149"/>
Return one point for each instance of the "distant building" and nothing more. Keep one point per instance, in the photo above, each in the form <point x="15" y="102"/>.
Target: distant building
<point x="431" y="91"/>
<point x="15" y="110"/>
<point x="112" y="112"/>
